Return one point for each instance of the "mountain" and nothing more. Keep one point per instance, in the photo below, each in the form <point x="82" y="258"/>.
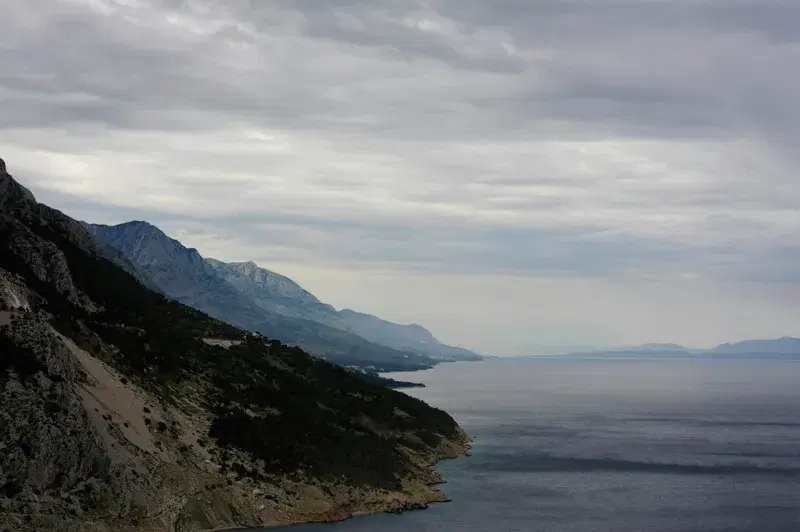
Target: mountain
<point x="274" y="292"/>
<point x="184" y="275"/>
<point x="124" y="410"/>
<point x="163" y="260"/>
<point x="785" y="345"/>
<point x="279" y="294"/>
<point x="246" y="295"/>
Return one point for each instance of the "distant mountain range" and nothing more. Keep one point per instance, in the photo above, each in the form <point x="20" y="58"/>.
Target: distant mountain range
<point x="779" y="346"/>
<point x="786" y="345"/>
<point x="257" y="299"/>
<point x="649" y="348"/>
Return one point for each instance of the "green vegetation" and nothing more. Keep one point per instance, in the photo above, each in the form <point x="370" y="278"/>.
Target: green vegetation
<point x="320" y="418"/>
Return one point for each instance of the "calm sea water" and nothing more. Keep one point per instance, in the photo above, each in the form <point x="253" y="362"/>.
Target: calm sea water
<point x="575" y="445"/>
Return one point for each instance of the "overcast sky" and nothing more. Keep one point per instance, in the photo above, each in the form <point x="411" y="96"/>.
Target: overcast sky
<point x="509" y="173"/>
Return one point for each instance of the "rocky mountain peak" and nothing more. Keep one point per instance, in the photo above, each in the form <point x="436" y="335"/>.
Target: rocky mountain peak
<point x="247" y="268"/>
<point x="267" y="283"/>
<point x="172" y="267"/>
<point x="142" y="227"/>
<point x="139" y="223"/>
<point x="10" y="190"/>
<point x="136" y="234"/>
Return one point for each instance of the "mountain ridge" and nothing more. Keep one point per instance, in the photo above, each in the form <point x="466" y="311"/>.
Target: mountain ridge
<point x="413" y="337"/>
<point x="272" y="293"/>
<point x="184" y="275"/>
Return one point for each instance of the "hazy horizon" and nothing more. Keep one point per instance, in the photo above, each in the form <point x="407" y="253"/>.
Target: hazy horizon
<point x="507" y="174"/>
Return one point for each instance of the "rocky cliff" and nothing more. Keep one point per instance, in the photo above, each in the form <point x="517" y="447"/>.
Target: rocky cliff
<point x="125" y="410"/>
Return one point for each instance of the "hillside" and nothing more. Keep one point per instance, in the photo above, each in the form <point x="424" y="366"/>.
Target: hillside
<point x="124" y="410"/>
<point x="277" y="293"/>
<point x="184" y="275"/>
<point x="415" y="338"/>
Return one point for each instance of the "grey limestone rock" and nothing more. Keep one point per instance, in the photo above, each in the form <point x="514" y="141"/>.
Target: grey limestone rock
<point x="53" y="459"/>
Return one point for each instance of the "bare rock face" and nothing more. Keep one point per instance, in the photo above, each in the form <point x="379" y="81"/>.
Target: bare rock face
<point x="10" y="190"/>
<point x="14" y="295"/>
<point x="54" y="464"/>
<point x="274" y="292"/>
<point x="23" y="225"/>
<point x="44" y="260"/>
<point x="18" y="201"/>
<point x="30" y="333"/>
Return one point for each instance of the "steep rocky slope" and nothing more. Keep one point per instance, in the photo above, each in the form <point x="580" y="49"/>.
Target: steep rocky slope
<point x="125" y="410"/>
<point x="274" y="292"/>
<point x="281" y="295"/>
<point x="184" y="275"/>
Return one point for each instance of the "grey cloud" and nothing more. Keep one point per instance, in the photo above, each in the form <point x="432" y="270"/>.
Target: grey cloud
<point x="443" y="124"/>
<point x="459" y="247"/>
<point x="398" y="30"/>
<point x="149" y="82"/>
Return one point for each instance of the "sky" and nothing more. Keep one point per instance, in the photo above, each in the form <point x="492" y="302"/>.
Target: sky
<point x="517" y="175"/>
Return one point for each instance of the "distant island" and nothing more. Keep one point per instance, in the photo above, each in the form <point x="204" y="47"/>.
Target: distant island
<point x="784" y="345"/>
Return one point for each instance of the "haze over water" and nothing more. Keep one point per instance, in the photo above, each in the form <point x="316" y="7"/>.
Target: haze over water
<point x="580" y="445"/>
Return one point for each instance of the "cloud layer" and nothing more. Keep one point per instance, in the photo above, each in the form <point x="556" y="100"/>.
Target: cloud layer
<point x="609" y="140"/>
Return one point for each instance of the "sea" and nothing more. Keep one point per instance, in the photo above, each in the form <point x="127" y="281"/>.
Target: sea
<point x="604" y="444"/>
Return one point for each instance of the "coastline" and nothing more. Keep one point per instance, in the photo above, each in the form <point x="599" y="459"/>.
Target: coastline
<point x="418" y="493"/>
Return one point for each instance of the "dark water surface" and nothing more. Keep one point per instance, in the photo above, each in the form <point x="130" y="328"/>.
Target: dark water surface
<point x="576" y="445"/>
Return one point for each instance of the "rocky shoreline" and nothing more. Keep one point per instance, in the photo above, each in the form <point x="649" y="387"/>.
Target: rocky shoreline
<point x="419" y="493"/>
